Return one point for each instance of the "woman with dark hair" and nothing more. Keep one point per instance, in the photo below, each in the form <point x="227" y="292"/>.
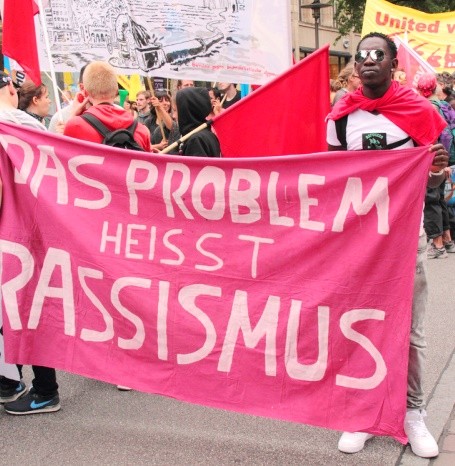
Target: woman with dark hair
<point x="215" y="99"/>
<point x="34" y="100"/>
<point x="167" y="131"/>
<point x="129" y="108"/>
<point x="348" y="80"/>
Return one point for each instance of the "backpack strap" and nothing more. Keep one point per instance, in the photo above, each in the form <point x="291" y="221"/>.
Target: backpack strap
<point x="398" y="143"/>
<point x="132" y="127"/>
<point x="340" y="126"/>
<point x="93" y="121"/>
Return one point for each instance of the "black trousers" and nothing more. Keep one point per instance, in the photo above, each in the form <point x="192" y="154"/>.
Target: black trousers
<point x="45" y="381"/>
<point x="435" y="212"/>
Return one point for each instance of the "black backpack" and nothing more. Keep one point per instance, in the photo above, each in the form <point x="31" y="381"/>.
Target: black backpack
<point x="122" y="138"/>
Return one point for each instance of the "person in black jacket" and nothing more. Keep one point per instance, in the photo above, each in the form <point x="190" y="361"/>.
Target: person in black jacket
<point x="193" y="107"/>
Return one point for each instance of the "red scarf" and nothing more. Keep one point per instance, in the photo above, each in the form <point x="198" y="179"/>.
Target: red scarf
<point x="402" y="106"/>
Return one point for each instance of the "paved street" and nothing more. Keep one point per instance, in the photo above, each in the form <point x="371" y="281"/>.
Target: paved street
<point x="98" y="425"/>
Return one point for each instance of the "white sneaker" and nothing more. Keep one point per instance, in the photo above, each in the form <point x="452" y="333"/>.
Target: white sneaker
<point x="353" y="442"/>
<point x="123" y="388"/>
<point x="422" y="442"/>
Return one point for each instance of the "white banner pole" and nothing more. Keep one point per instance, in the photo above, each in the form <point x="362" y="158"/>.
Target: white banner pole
<point x="49" y="54"/>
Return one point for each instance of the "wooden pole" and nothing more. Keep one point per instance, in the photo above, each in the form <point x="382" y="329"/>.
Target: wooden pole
<point x="187" y="136"/>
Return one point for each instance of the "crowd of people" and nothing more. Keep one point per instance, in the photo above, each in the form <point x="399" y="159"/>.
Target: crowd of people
<point x="370" y="97"/>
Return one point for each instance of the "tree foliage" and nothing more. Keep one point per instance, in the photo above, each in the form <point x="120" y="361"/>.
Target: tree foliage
<point x="349" y="13"/>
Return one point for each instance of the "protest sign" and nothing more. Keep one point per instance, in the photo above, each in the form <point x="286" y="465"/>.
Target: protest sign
<point x="430" y="35"/>
<point x="275" y="286"/>
<point x="221" y="40"/>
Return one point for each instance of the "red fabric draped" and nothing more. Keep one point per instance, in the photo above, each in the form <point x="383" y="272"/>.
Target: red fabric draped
<point x="409" y="111"/>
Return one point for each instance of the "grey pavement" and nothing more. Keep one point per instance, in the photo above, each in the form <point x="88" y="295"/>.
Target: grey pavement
<point x="99" y="425"/>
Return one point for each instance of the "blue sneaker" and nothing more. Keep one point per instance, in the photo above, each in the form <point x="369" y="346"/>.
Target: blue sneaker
<point x="33" y="403"/>
<point x="8" y="394"/>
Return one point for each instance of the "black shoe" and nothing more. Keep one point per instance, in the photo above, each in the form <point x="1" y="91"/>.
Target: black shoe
<point x="32" y="403"/>
<point x="8" y="394"/>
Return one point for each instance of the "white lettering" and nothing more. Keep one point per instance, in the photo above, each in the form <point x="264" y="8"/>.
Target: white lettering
<point x="116" y="239"/>
<point x="55" y="258"/>
<point x="10" y="288"/>
<point x="245" y="198"/>
<point x="20" y="177"/>
<point x="163" y="306"/>
<point x="254" y="259"/>
<point x="210" y="176"/>
<point x="306" y="202"/>
<point x="378" y="196"/>
<point x="132" y="242"/>
<point x="173" y="248"/>
<point x="179" y="191"/>
<point x="105" y="200"/>
<point x="187" y="299"/>
<point x="58" y="172"/>
<point x="240" y="321"/>
<point x="218" y="262"/>
<point x="346" y="322"/>
<point x="134" y="185"/>
<point x="137" y="340"/>
<point x="310" y="372"/>
<point x="275" y="218"/>
<point x="95" y="335"/>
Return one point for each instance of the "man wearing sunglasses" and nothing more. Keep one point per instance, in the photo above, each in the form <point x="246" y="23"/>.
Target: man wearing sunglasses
<point x="381" y="114"/>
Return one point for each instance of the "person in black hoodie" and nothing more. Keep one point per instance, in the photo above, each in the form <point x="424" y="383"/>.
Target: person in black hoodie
<point x="193" y="107"/>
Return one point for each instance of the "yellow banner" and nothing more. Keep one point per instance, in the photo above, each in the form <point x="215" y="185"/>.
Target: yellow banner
<point x="133" y="84"/>
<point x="432" y="36"/>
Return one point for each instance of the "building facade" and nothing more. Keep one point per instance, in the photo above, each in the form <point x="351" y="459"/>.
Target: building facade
<point x="304" y="34"/>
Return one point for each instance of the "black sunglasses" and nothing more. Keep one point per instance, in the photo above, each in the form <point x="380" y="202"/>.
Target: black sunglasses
<point x="376" y="55"/>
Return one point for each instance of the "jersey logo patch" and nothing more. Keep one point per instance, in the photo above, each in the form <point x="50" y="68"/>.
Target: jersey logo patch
<point x="374" y="141"/>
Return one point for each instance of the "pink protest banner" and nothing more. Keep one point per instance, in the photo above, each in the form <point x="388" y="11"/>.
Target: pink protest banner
<point x="276" y="286"/>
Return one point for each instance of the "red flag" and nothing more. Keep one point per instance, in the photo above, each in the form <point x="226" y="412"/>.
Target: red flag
<point x="19" y="39"/>
<point x="411" y="62"/>
<point x="285" y="116"/>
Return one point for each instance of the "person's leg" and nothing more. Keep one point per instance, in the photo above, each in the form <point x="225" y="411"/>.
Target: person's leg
<point x="447" y="241"/>
<point x="11" y="389"/>
<point x="7" y="383"/>
<point x="45" y="381"/>
<point x="433" y="223"/>
<point x="432" y="213"/>
<point x="43" y="396"/>
<point x="417" y="342"/>
<point x="422" y="442"/>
